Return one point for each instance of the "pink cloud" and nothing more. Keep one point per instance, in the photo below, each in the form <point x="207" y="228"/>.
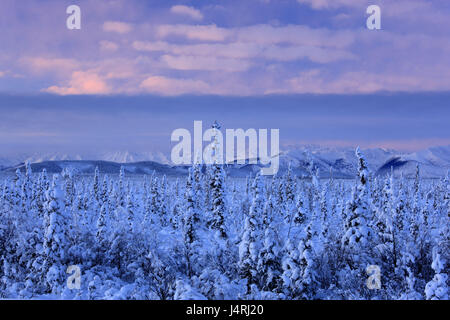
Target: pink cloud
<point x="327" y="4"/>
<point x="242" y="50"/>
<point x="171" y="86"/>
<point x="81" y="83"/>
<point x="117" y="26"/>
<point x="295" y="34"/>
<point x="261" y="34"/>
<point x="152" y="46"/>
<point x="199" y="32"/>
<point x="205" y="63"/>
<point x="42" y="64"/>
<point x="314" y="81"/>
<point x="108" y="45"/>
<point x="233" y="50"/>
<point x="187" y="11"/>
<point x="315" y="54"/>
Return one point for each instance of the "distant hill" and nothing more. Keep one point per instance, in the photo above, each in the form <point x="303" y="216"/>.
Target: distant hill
<point x="106" y="167"/>
<point x="336" y="162"/>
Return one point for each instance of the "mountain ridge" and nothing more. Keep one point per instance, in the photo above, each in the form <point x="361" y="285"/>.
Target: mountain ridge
<point x="331" y="161"/>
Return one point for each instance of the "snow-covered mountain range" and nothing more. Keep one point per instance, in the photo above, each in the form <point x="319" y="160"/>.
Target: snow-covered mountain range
<point x="339" y="162"/>
<point x="116" y="156"/>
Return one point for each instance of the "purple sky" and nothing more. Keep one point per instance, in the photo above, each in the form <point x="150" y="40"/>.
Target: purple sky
<point x="229" y="47"/>
<point x="189" y="50"/>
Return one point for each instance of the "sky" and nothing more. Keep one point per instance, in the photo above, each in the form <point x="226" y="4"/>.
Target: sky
<point x="139" y="69"/>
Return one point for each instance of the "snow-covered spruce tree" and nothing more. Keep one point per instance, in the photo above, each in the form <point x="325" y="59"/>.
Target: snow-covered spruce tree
<point x="161" y="277"/>
<point x="147" y="221"/>
<point x="401" y="211"/>
<point x="383" y="222"/>
<point x="301" y="207"/>
<point x="428" y="210"/>
<point x="16" y="191"/>
<point x="235" y="211"/>
<point x="155" y="204"/>
<point x="67" y="176"/>
<point x="442" y="195"/>
<point x="27" y="214"/>
<point x="278" y="195"/>
<point x="437" y="288"/>
<point x="36" y="202"/>
<point x="216" y="285"/>
<point x="96" y="184"/>
<point x="27" y="191"/>
<point x="291" y="275"/>
<point x="8" y="241"/>
<point x="104" y="194"/>
<point x="310" y="248"/>
<point x="93" y="209"/>
<point x="79" y="211"/>
<point x="250" y="243"/>
<point x="163" y="210"/>
<point x="244" y="203"/>
<point x="121" y="188"/>
<point x="290" y="187"/>
<point x="269" y="260"/>
<point x="133" y="234"/>
<point x="404" y="248"/>
<point x="335" y="222"/>
<point x="111" y="195"/>
<point x="291" y="265"/>
<point x="416" y="217"/>
<point x="184" y="291"/>
<point x="387" y="248"/>
<point x="376" y="192"/>
<point x="55" y="238"/>
<point x="325" y="208"/>
<point x="408" y="285"/>
<point x="118" y="235"/>
<point x="309" y="282"/>
<point x="218" y="201"/>
<point x="101" y="234"/>
<point x="446" y="195"/>
<point x="197" y="188"/>
<point x="415" y="238"/>
<point x="316" y="212"/>
<point x="406" y="240"/>
<point x="190" y="227"/>
<point x="207" y="203"/>
<point x="6" y="208"/>
<point x="44" y="186"/>
<point x="359" y="239"/>
<point x="7" y="280"/>
<point x="177" y="207"/>
<point x="130" y="208"/>
<point x="28" y="237"/>
<point x="116" y="253"/>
